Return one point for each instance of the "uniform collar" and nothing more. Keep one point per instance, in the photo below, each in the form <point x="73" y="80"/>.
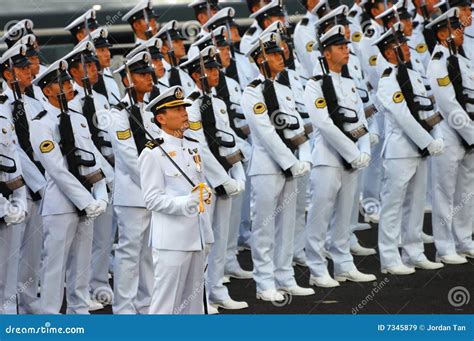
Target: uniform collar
<point x="356" y="8"/>
<point x="79" y="89"/>
<point x="166" y="65"/>
<point x="53" y="112"/>
<point x="172" y="139"/>
<point x="311" y="17"/>
<point x="9" y="93"/>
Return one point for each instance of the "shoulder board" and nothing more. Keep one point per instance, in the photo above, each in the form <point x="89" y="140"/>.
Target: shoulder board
<point x="317" y="78"/>
<point x="255" y="83"/>
<point x="437" y="55"/>
<point x="120" y="106"/>
<point x="369" y="32"/>
<point x="77" y="112"/>
<point x="352" y="14"/>
<point x="76" y="92"/>
<point x="108" y="76"/>
<point x="40" y="115"/>
<point x="387" y="72"/>
<point x="304" y="21"/>
<point x="3" y="99"/>
<point x="415" y="24"/>
<point x="190" y="139"/>
<point x="153" y="144"/>
<point x="194" y="96"/>
<point x="251" y="31"/>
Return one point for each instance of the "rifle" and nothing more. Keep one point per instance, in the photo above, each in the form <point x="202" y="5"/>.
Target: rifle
<point x="334" y="109"/>
<point x="21" y="123"/>
<point x="273" y="107"/>
<point x="403" y="79"/>
<point x="209" y="124"/>
<point x="148" y="32"/>
<point x="89" y="110"/>
<point x="454" y="73"/>
<point x="427" y="33"/>
<point x="175" y="78"/>
<point x="68" y="143"/>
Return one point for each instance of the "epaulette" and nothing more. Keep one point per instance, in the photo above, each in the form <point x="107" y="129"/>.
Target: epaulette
<point x="437" y="55"/>
<point x="190" y="139"/>
<point x="77" y="112"/>
<point x="255" y="83"/>
<point x="251" y="31"/>
<point x="40" y="115"/>
<point x="120" y="106"/>
<point x="352" y="14"/>
<point x="108" y="76"/>
<point x="153" y="144"/>
<point x="3" y="99"/>
<point x="387" y="72"/>
<point x="304" y="21"/>
<point x="76" y="92"/>
<point x="317" y="78"/>
<point x="415" y="24"/>
<point x="369" y="32"/>
<point x="194" y="96"/>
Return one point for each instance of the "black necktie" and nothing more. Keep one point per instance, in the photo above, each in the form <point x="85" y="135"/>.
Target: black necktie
<point x="137" y="130"/>
<point x="155" y="92"/>
<point x="100" y="86"/>
<point x="175" y="79"/>
<point x="232" y="72"/>
<point x="23" y="131"/>
<point x="30" y="92"/>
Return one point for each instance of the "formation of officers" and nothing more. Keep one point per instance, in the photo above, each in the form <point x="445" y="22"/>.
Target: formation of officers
<point x="272" y="141"/>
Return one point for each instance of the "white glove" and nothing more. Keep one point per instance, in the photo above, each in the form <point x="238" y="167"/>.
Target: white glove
<point x="241" y="186"/>
<point x="93" y="210"/>
<point x="103" y="206"/>
<point x="193" y="199"/>
<point x="231" y="187"/>
<point x="300" y="168"/>
<point x="15" y="217"/>
<point x="374" y="139"/>
<point x="362" y="161"/>
<point x="436" y="147"/>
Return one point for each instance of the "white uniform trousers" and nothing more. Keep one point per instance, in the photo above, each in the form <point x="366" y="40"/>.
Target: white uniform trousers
<point x="453" y="200"/>
<point x="133" y="268"/>
<point x="402" y="211"/>
<point x="273" y="231"/>
<point x="67" y="254"/>
<point x="302" y="184"/>
<point x="101" y="248"/>
<point x="245" y="219"/>
<point x="220" y="211"/>
<point x="6" y="233"/>
<point x="179" y="281"/>
<point x="29" y="269"/>
<point x="373" y="174"/>
<point x="231" y="263"/>
<point x="24" y="263"/>
<point x="329" y="219"/>
<point x="355" y="209"/>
